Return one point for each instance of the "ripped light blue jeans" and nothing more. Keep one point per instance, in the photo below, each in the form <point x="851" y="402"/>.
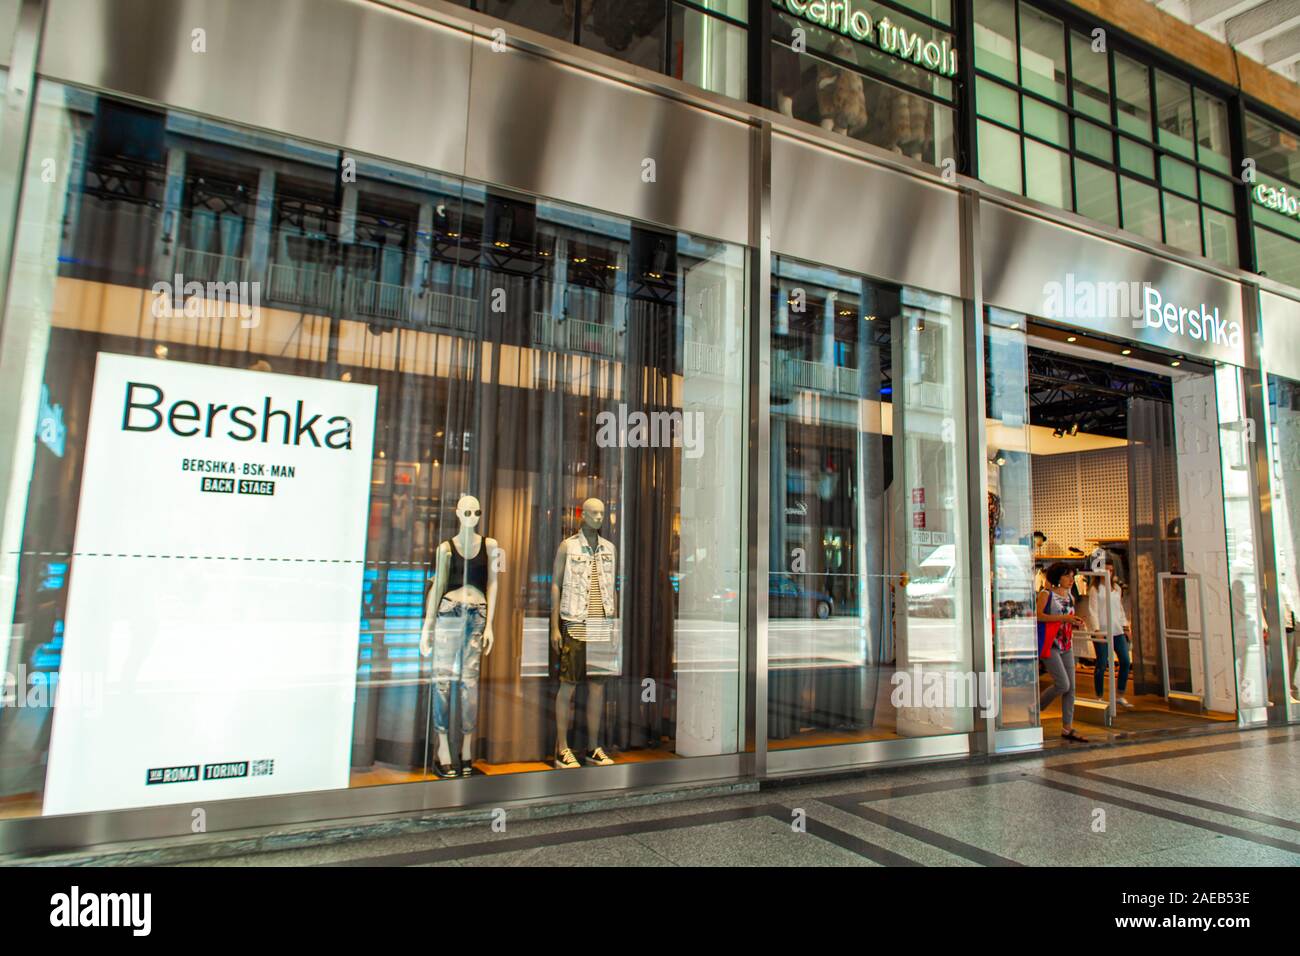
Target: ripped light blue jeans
<point x="457" y="656"/>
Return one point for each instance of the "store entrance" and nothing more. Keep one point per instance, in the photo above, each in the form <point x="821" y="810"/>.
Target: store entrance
<point x="1117" y="476"/>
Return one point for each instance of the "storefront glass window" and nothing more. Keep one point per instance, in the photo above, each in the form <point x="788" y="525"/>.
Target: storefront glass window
<point x="1010" y="509"/>
<point x="1284" y="447"/>
<point x="868" y="549"/>
<point x="357" y="481"/>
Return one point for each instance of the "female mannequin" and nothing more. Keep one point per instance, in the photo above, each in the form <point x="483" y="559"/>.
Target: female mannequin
<point x="458" y="629"/>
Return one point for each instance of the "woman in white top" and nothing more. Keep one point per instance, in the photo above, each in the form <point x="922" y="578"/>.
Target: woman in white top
<point x="1122" y="636"/>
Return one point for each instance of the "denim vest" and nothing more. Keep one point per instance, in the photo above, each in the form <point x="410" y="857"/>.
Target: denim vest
<point x="577" y="577"/>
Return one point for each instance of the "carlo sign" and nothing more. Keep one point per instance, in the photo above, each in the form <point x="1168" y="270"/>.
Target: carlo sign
<point x="847" y="17"/>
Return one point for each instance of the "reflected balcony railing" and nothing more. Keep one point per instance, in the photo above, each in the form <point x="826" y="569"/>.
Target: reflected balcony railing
<point x="790" y="374"/>
<point x="199" y="266"/>
<point x="704" y="359"/>
<point x="574" y="335"/>
<point x="321" y="287"/>
<point x="308" y="287"/>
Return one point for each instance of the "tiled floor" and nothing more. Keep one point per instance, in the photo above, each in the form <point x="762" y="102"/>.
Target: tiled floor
<point x="1225" y="799"/>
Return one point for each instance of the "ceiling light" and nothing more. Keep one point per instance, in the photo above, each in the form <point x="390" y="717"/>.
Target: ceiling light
<point x="1071" y="338"/>
<point x="160" y="351"/>
<point x="1175" y="363"/>
<point x="1125" y="351"/>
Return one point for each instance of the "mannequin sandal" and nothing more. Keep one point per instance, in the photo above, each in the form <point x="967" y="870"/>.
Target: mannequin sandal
<point x="1075" y="736"/>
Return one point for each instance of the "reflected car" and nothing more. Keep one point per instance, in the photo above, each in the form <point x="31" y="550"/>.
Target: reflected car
<point x="786" y="597"/>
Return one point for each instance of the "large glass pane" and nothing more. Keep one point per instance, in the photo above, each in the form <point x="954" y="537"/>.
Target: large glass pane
<point x="1284" y="451"/>
<point x="1217" y="192"/>
<point x="1174" y="115"/>
<point x="867" y="548"/>
<point x="1178" y="176"/>
<point x="1278" y="257"/>
<point x="1241" y="515"/>
<point x="631" y="32"/>
<point x="1182" y="223"/>
<point x="1042" y="54"/>
<point x="1220" y="237"/>
<point x="1047" y="174"/>
<point x="1094" y="192"/>
<point x="1213" y="148"/>
<point x="708" y="52"/>
<point x="1093" y="140"/>
<point x="425" y="479"/>
<point x="999" y="156"/>
<point x="1046" y="122"/>
<point x="1136" y="158"/>
<point x="1133" y="97"/>
<point x="1141" y="206"/>
<point x="1276" y="151"/>
<point x="1090" y="70"/>
<point x="997" y="102"/>
<point x="1010" y="509"/>
<point x="845" y="101"/>
<point x="995" y="38"/>
<point x="555" y="19"/>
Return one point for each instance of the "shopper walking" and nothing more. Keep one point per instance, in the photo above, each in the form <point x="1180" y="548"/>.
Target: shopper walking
<point x="1121" y="636"/>
<point x="1056" y="623"/>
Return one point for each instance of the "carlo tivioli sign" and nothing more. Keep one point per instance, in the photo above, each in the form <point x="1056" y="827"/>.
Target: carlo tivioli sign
<point x="850" y="18"/>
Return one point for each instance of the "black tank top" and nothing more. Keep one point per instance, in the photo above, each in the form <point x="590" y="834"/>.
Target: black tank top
<point x="473" y="572"/>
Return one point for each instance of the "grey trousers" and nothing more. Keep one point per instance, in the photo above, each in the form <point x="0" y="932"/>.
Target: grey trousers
<point x="1061" y="666"/>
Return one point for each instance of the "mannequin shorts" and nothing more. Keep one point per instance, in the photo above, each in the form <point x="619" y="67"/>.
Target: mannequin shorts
<point x="586" y="660"/>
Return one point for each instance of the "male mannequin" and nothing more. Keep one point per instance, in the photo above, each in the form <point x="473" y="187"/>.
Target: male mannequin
<point x="583" y="606"/>
<point x="458" y="630"/>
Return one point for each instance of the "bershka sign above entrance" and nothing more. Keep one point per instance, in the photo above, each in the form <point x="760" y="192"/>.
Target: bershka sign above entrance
<point x="849" y="18"/>
<point x="1151" y="314"/>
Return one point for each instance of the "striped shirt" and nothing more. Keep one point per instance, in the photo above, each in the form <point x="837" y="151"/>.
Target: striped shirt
<point x="596" y="627"/>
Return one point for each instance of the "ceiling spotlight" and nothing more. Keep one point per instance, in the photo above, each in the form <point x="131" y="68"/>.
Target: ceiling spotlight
<point x="1071" y="338"/>
<point x="1125" y="351"/>
<point x="870" y="318"/>
<point x="1175" y="363"/>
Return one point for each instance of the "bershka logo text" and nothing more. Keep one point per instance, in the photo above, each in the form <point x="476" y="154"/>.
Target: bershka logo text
<point x="1200" y="324"/>
<point x="75" y="909"/>
<point x="208" y="300"/>
<point x="143" y="411"/>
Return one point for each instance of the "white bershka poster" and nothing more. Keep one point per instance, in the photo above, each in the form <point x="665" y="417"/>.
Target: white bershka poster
<point x="215" y="587"/>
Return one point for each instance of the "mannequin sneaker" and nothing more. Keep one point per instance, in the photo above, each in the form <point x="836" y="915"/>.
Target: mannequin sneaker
<point x="565" y="760"/>
<point x="598" y="758"/>
<point x="1123" y="702"/>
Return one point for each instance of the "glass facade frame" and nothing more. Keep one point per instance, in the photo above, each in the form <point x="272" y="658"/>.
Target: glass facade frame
<point x="753" y="747"/>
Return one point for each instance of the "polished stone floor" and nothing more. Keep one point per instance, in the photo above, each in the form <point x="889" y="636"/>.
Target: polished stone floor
<point x="1224" y="799"/>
